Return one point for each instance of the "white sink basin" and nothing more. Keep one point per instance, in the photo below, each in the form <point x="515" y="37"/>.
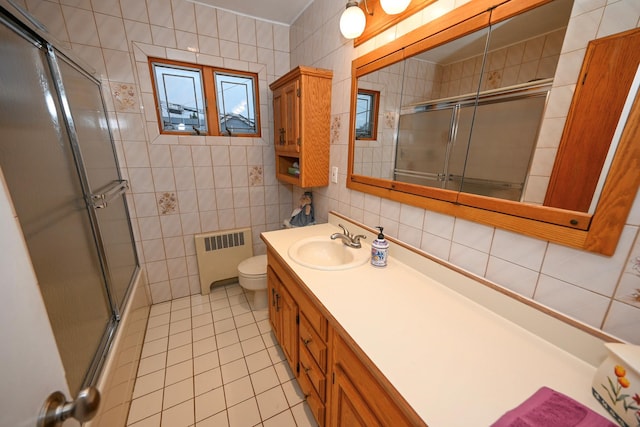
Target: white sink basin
<point x="322" y="253"/>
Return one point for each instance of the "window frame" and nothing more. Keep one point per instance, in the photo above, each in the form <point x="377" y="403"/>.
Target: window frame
<point x="208" y="83"/>
<point x="374" y="112"/>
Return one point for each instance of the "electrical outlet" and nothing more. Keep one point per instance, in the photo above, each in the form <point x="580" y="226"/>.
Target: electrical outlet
<point x="334" y="174"/>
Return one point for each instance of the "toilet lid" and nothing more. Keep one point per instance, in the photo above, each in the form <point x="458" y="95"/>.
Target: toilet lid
<point x="254" y="266"/>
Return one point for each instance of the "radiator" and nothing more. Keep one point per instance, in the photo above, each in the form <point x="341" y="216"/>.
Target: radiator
<point x="219" y="254"/>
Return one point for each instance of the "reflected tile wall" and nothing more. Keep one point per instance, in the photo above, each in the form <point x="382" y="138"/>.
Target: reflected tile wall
<point x="594" y="289"/>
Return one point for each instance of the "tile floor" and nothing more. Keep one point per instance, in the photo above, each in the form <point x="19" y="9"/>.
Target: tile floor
<point x="213" y="361"/>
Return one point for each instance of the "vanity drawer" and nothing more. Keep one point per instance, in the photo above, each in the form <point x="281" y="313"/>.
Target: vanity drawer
<point x="313" y="400"/>
<point x="310" y="341"/>
<point x="310" y="369"/>
<point x="314" y="317"/>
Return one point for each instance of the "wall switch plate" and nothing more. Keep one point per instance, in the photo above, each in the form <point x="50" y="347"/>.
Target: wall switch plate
<point x="334" y="174"/>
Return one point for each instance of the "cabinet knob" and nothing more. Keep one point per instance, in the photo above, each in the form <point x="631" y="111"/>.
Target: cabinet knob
<point x="306" y="341"/>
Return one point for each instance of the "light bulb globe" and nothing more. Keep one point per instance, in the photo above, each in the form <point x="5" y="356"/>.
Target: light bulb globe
<point x="393" y="7"/>
<point x="352" y="22"/>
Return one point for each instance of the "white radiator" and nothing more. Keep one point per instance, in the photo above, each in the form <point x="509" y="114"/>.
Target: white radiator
<point x="219" y="254"/>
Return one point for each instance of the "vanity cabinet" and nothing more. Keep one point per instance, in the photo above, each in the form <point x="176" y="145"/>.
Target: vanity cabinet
<point x="341" y="387"/>
<point x="283" y="314"/>
<point x="301" y="122"/>
<point x="358" y="398"/>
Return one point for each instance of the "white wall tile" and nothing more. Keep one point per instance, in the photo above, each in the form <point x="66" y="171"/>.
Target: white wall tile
<point x="153" y="250"/>
<point x="185" y="179"/>
<point x="622" y="321"/>
<point x="190" y="223"/>
<point x="174" y="248"/>
<point x="206" y="199"/>
<point x="595" y="272"/>
<point x="619" y="16"/>
<point x="574" y="301"/>
<point x="118" y="66"/>
<point x="512" y="276"/>
<point x="436" y="245"/>
<point x="171" y="225"/>
<point x="439" y="224"/>
<point x="149" y="228"/>
<point x="81" y="26"/>
<point x="111" y="32"/>
<point x="469" y="259"/>
<point x="410" y="235"/>
<point x="135" y="10"/>
<point x="163" y="179"/>
<point x="184" y="17"/>
<point x="227" y="26"/>
<point x="473" y="235"/>
<point x="163" y="36"/>
<point x="518" y="249"/>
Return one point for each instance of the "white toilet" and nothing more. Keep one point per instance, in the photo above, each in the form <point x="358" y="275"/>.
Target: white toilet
<point x="252" y="276"/>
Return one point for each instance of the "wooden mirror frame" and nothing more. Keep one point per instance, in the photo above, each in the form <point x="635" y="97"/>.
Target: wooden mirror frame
<point x="598" y="233"/>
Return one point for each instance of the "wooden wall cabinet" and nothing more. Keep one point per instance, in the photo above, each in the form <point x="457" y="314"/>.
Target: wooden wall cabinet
<point x="301" y="122"/>
<point x="341" y="386"/>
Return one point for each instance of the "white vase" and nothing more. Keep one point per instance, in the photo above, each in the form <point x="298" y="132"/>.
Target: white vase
<point x="616" y="384"/>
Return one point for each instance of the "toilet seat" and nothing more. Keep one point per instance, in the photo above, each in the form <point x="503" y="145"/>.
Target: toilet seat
<point x="256" y="266"/>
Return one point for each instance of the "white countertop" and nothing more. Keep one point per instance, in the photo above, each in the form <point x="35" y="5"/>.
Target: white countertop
<point x="454" y="361"/>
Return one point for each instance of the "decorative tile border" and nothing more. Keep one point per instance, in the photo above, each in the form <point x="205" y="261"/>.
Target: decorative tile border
<point x="124" y="96"/>
<point x="256" y="176"/>
<point x="168" y="203"/>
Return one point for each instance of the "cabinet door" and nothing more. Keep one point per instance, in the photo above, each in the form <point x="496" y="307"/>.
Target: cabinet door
<point x="278" y="123"/>
<point x="289" y="331"/>
<point x="348" y="408"/>
<point x="358" y="398"/>
<point x="291" y="116"/>
<point x="273" y="285"/>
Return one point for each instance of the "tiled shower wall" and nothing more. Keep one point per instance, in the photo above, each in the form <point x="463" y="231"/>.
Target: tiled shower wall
<point x="183" y="185"/>
<point x="595" y="289"/>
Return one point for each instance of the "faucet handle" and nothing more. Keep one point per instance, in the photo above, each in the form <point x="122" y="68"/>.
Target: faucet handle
<point x="356" y="239"/>
<point x="344" y="230"/>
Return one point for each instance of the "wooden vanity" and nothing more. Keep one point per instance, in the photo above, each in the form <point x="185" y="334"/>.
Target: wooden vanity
<point x="418" y="342"/>
<point x="340" y="384"/>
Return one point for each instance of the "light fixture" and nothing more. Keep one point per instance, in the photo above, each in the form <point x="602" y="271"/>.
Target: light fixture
<point x="393" y="7"/>
<point x="352" y="21"/>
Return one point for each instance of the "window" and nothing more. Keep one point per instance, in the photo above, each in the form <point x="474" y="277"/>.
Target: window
<point x="367" y="114"/>
<point x="202" y="100"/>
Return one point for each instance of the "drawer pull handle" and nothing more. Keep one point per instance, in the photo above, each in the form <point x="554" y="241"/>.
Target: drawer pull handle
<point x="306" y="341"/>
<point x="304" y="368"/>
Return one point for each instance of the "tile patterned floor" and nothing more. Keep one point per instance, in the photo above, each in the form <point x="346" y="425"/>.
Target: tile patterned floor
<point x="213" y="361"/>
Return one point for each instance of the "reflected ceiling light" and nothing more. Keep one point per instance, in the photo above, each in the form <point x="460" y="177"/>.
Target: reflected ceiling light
<point x="352" y="21"/>
<point x="393" y="7"/>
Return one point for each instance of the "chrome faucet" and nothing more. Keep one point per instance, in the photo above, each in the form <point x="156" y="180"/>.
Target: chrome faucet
<point x="347" y="238"/>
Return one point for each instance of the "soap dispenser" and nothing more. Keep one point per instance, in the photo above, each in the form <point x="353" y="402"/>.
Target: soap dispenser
<point x="379" y="250"/>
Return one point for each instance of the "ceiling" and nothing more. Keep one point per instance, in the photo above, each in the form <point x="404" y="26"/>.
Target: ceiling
<point x="280" y="11"/>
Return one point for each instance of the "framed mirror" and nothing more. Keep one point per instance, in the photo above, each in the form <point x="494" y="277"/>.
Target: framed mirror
<point x="462" y="103"/>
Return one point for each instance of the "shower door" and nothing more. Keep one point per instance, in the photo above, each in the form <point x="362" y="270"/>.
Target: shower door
<point x="91" y="132"/>
<point x="72" y="244"/>
<point x="423" y="147"/>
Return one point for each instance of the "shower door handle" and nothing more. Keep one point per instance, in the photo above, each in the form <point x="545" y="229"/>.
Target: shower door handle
<point x="57" y="409"/>
<point x="101" y="200"/>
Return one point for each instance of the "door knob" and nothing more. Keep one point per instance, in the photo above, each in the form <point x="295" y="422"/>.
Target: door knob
<point x="57" y="409"/>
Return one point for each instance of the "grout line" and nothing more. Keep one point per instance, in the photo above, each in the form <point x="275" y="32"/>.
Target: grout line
<point x="257" y="339"/>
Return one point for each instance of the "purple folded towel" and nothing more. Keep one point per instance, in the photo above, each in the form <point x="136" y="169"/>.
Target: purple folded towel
<point x="548" y="408"/>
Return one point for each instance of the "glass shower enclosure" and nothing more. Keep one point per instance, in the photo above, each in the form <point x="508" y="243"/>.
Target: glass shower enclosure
<point x="58" y="160"/>
<point x="475" y="144"/>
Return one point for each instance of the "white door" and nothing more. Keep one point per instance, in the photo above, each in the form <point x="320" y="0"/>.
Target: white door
<point x="30" y="365"/>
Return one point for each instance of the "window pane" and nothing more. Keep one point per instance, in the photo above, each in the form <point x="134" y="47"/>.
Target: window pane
<point x="181" y="99"/>
<point x="236" y="103"/>
<point x="364" y="115"/>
